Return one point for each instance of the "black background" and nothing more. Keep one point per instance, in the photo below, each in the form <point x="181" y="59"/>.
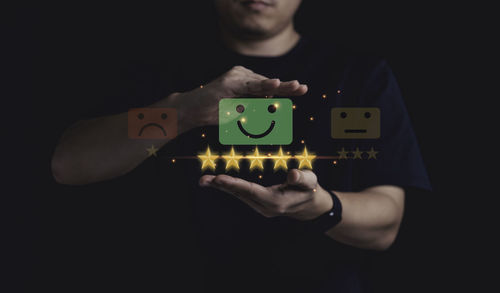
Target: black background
<point x="64" y="54"/>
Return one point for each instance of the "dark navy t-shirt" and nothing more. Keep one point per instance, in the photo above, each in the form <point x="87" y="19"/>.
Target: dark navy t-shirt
<point x="240" y="250"/>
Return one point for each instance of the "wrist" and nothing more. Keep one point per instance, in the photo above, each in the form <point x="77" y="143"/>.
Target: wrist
<point x="323" y="202"/>
<point x="328" y="218"/>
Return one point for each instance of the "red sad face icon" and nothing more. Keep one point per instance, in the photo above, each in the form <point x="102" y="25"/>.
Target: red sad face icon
<point x="152" y="123"/>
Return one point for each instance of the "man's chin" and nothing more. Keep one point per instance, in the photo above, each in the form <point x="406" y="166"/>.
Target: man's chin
<point x="255" y="31"/>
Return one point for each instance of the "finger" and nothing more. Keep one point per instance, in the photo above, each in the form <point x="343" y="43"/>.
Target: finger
<point x="291" y="198"/>
<point x="240" y="187"/>
<point x="291" y="88"/>
<point x="305" y="179"/>
<point x="300" y="91"/>
<point x="260" y="87"/>
<point x="205" y="180"/>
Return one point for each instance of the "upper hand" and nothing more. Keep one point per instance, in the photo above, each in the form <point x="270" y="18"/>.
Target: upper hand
<point x="300" y="197"/>
<point x="199" y="107"/>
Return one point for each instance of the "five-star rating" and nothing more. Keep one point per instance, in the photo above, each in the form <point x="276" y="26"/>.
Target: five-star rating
<point x="232" y="159"/>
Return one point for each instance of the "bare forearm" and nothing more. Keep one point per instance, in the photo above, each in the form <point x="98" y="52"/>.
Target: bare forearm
<point x="98" y="149"/>
<point x="371" y="218"/>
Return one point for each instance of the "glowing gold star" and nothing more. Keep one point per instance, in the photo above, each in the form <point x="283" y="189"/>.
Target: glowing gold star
<point x="152" y="151"/>
<point x="357" y="154"/>
<point x="207" y="160"/>
<point x="256" y="160"/>
<point x="305" y="160"/>
<point x="343" y="154"/>
<point x="232" y="160"/>
<point x="280" y="160"/>
<point x="372" y="154"/>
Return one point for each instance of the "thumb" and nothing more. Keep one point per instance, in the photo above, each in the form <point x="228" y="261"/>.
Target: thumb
<point x="302" y="179"/>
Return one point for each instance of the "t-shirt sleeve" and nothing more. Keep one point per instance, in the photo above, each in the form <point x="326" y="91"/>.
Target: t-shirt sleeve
<point x="398" y="160"/>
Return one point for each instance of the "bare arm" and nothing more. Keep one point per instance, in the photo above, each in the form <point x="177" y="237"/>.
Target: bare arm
<point x="99" y="149"/>
<point x="370" y="218"/>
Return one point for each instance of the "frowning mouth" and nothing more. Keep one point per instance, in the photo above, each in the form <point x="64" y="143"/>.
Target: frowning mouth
<point x="153" y="124"/>
<point x="271" y="127"/>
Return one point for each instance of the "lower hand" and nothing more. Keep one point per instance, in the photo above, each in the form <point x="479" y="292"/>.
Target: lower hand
<point x="300" y="197"/>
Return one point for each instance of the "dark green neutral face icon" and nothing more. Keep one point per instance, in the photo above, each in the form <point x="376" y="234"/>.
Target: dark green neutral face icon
<point x="255" y="121"/>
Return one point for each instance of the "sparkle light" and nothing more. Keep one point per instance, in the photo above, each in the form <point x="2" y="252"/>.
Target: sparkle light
<point x="203" y="135"/>
<point x="173" y="160"/>
<point x="208" y="160"/>
<point x="232" y="160"/>
<point x="260" y="176"/>
<point x="338" y="91"/>
<point x="294" y="106"/>
<point x="305" y="160"/>
<point x="201" y="86"/>
<point x="311" y="118"/>
<point x="324" y="96"/>
<point x="302" y="141"/>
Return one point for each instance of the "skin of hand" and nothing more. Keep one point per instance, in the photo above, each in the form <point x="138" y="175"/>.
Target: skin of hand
<point x="199" y="107"/>
<point x="300" y="197"/>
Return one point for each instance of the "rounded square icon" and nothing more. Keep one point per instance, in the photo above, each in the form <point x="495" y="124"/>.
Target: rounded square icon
<point x="152" y="123"/>
<point x="356" y="123"/>
<point x="255" y="121"/>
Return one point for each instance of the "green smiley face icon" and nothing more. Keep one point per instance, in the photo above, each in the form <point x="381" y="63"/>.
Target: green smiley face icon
<point x="255" y="121"/>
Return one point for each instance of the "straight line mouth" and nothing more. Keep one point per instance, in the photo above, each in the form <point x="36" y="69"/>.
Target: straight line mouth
<point x="355" y="131"/>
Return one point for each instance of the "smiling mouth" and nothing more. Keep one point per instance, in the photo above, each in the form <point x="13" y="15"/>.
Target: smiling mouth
<point x="153" y="124"/>
<point x="271" y="127"/>
<point x="355" y="131"/>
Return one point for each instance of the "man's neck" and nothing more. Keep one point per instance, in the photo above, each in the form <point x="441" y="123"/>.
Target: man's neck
<point x="276" y="45"/>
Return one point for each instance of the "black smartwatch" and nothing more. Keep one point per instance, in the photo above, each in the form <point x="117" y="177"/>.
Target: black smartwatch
<point x="329" y="219"/>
